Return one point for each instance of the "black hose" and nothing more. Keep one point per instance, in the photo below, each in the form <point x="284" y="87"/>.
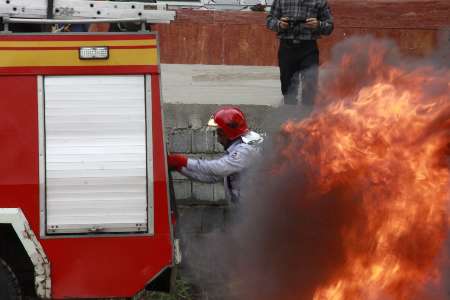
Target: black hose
<point x="173" y="200"/>
<point x="50" y="9"/>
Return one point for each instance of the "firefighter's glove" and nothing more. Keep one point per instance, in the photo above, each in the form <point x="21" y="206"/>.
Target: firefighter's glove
<point x="177" y="161"/>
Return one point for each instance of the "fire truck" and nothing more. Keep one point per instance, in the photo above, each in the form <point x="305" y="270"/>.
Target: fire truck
<point x="85" y="210"/>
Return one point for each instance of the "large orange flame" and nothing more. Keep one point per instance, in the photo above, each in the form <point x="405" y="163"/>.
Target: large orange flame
<point x="387" y="137"/>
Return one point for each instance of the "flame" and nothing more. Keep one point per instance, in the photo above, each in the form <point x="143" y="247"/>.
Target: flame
<point x="386" y="138"/>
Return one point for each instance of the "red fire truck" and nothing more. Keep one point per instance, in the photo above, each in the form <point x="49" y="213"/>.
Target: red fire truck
<point x="84" y="205"/>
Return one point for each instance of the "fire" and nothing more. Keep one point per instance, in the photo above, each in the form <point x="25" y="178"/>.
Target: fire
<point x="382" y="140"/>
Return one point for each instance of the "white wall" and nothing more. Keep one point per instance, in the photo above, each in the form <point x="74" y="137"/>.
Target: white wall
<point x="220" y="84"/>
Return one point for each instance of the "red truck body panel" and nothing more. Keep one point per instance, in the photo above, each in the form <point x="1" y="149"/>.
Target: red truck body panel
<point x="94" y="266"/>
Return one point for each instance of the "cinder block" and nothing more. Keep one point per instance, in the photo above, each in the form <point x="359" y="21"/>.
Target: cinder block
<point x="178" y="176"/>
<point x="218" y="148"/>
<point x="182" y="189"/>
<point x="203" y="141"/>
<point x="204" y="156"/>
<point x="202" y="191"/>
<point x="195" y="121"/>
<point x="181" y="123"/>
<point x="219" y="192"/>
<point x="174" y="118"/>
<point x="180" y="141"/>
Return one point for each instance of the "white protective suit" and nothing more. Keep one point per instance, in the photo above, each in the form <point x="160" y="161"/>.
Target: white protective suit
<point x="231" y="167"/>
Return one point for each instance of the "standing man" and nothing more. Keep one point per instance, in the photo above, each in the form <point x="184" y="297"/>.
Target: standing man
<point x="241" y="151"/>
<point x="299" y="23"/>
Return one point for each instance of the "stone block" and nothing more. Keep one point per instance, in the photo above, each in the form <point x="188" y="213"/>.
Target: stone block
<point x="203" y="140"/>
<point x="202" y="191"/>
<point x="180" y="141"/>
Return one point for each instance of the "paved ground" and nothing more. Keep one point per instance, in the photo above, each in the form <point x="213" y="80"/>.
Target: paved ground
<point x="220" y="84"/>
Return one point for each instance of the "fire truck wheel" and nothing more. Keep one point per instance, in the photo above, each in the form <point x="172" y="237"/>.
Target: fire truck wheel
<point x="9" y="286"/>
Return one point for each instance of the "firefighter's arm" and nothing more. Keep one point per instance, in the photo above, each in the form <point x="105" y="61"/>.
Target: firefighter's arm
<point x="179" y="162"/>
<point x="199" y="176"/>
<point x="234" y="162"/>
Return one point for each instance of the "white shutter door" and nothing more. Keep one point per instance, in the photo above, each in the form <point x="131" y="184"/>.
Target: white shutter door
<point x="95" y="154"/>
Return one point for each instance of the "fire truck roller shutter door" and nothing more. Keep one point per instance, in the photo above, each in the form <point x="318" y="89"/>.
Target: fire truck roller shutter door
<point x="98" y="159"/>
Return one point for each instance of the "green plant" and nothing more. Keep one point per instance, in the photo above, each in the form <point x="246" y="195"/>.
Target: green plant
<point x="183" y="291"/>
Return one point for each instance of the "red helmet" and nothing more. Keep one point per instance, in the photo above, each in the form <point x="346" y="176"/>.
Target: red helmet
<point x="231" y="120"/>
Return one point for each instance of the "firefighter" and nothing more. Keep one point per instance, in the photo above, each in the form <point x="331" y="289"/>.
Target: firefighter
<point x="242" y="148"/>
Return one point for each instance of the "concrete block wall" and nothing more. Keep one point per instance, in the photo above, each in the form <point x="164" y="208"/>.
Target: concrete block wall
<point x="203" y="212"/>
<point x="200" y="144"/>
<point x="187" y="133"/>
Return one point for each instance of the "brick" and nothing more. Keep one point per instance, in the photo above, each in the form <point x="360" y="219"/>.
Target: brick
<point x="182" y="189"/>
<point x="202" y="191"/>
<point x="180" y="141"/>
<point x="203" y="141"/>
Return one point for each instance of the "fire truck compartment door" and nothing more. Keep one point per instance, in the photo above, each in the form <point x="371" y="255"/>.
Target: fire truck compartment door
<point x="97" y="154"/>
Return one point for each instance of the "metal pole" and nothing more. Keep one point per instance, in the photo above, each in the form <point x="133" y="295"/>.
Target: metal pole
<point x="50" y="9"/>
<point x="6" y="28"/>
<point x="7" y="20"/>
<point x="50" y="4"/>
<point x="144" y="26"/>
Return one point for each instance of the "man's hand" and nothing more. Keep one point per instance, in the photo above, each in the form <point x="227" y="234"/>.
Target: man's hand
<point x="312" y="23"/>
<point x="177" y="161"/>
<point x="283" y="23"/>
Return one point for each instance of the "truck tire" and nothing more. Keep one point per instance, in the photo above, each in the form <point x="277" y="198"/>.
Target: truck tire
<point x="9" y="286"/>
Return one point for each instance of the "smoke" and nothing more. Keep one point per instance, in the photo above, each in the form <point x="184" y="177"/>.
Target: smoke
<point x="360" y="61"/>
<point x="286" y="241"/>
<point x="289" y="242"/>
<point x="291" y="236"/>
